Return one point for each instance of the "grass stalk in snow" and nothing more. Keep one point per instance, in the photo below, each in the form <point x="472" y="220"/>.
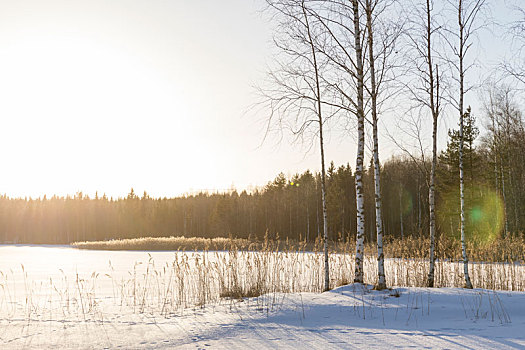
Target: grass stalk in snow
<point x="201" y="278"/>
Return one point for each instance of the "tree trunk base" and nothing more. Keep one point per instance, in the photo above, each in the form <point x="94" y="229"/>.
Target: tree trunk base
<point x="430" y="282"/>
<point x="380" y="286"/>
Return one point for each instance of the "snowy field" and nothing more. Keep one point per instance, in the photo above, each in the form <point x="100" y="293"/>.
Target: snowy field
<point x="58" y="297"/>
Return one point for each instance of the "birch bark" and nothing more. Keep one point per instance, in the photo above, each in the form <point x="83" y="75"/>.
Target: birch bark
<point x="321" y="146"/>
<point x="360" y="236"/>
<point x="465" y="20"/>
<point x="433" y="88"/>
<point x="381" y="284"/>
<point x="300" y="100"/>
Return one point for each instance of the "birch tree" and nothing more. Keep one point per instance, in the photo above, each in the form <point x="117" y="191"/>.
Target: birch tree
<point x="343" y="50"/>
<point x="505" y="127"/>
<point x="380" y="57"/>
<point x="381" y="284"/>
<point x="351" y="27"/>
<point x="514" y="66"/>
<point x="467" y="12"/>
<point x="296" y="91"/>
<point x="360" y="236"/>
<point x="426" y="92"/>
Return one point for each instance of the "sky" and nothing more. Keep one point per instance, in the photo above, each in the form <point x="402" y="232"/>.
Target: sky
<point x="102" y="96"/>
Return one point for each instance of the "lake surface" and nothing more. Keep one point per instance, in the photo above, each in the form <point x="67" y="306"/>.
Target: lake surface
<point x="43" y="272"/>
<point x="38" y="279"/>
<point x="47" y="260"/>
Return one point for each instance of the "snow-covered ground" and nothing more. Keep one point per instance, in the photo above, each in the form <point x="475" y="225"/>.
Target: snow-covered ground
<point x="345" y="318"/>
<point x="352" y="316"/>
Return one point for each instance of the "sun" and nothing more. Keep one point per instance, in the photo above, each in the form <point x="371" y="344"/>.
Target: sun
<point x="80" y="114"/>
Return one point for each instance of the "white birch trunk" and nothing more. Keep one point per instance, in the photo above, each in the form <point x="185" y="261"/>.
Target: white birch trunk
<point x="432" y="204"/>
<point x="381" y="284"/>
<point x="418" y="206"/>
<point x="325" y="225"/>
<point x="307" y="218"/>
<point x="462" y="48"/>
<point x="360" y="236"/>
<point x="503" y="194"/>
<point x="401" y="212"/>
<point x="468" y="283"/>
<point x="434" y="107"/>
<point x="321" y="145"/>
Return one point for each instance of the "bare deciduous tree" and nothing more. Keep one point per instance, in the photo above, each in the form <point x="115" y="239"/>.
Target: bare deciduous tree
<point x="426" y="92"/>
<point x="467" y="12"/>
<point x="360" y="200"/>
<point x="380" y="57"/>
<point x="514" y="66"/>
<point x="369" y="9"/>
<point x="341" y="21"/>
<point x="295" y="94"/>
<point x="351" y="27"/>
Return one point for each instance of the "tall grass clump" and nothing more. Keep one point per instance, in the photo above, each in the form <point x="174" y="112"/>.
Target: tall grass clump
<point x="165" y="243"/>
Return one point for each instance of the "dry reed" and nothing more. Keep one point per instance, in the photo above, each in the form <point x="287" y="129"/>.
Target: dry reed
<point x="200" y="278"/>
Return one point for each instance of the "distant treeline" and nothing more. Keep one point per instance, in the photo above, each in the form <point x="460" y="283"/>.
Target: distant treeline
<point x="285" y="207"/>
<point x="291" y="207"/>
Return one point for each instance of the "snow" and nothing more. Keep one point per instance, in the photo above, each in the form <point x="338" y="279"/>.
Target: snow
<point x="352" y="316"/>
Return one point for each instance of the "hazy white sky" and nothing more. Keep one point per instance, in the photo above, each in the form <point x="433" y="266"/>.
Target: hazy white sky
<point x="105" y="95"/>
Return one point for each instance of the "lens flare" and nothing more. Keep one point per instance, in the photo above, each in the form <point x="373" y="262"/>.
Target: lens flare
<point x="405" y="201"/>
<point x="476" y="214"/>
<point x="408" y="204"/>
<point x="484" y="214"/>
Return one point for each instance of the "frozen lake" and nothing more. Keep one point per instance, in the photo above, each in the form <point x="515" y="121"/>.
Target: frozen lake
<point x="82" y="299"/>
<point x="36" y="279"/>
<point x="45" y="261"/>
